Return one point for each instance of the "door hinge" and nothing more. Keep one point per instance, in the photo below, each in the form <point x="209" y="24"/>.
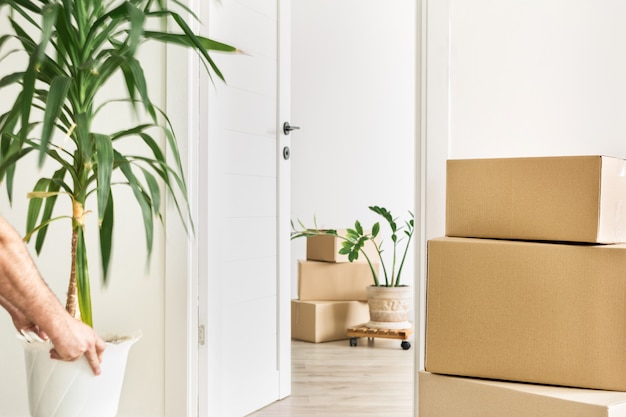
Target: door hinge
<point x="201" y="335"/>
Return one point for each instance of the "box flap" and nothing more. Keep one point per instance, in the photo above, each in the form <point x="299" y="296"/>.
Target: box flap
<point x="445" y="396"/>
<point x="613" y="201"/>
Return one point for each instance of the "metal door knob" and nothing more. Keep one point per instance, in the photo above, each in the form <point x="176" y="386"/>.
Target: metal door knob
<point x="287" y="128"/>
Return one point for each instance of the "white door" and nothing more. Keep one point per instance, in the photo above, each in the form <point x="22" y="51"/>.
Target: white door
<point x="242" y="182"/>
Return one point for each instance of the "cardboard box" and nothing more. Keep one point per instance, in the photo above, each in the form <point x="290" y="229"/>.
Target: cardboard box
<point x="445" y="396"/>
<point x="529" y="312"/>
<point x="575" y="199"/>
<point x="324" y="321"/>
<point x="325" y="281"/>
<point x="326" y="248"/>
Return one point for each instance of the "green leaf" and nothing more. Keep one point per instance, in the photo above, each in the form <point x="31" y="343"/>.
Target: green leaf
<point x="35" y="204"/>
<point x="106" y="238"/>
<point x="347" y="244"/>
<point x="7" y="167"/>
<point x="358" y="228"/>
<point x="82" y="280"/>
<point x="351" y="234"/>
<point x="48" y="13"/>
<point x="184" y="40"/>
<point x="140" y="84"/>
<point x="195" y="41"/>
<point x="137" y="20"/>
<point x="375" y="229"/>
<point x="11" y="79"/>
<point x="140" y="196"/>
<point x="104" y="166"/>
<point x="155" y="191"/>
<point x="83" y="134"/>
<point x="54" y="106"/>
<point x="54" y="186"/>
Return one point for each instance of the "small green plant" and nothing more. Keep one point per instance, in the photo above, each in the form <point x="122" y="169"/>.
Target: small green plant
<point x="355" y="239"/>
<point x="72" y="50"/>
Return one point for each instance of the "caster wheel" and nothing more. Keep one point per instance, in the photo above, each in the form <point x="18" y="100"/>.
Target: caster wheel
<point x="405" y="345"/>
<point x="353" y="341"/>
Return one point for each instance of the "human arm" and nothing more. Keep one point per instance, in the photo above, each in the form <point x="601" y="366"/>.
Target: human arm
<point x="27" y="298"/>
<point x="21" y="322"/>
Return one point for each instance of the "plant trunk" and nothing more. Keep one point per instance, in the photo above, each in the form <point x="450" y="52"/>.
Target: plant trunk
<point x="72" y="291"/>
<point x="78" y="220"/>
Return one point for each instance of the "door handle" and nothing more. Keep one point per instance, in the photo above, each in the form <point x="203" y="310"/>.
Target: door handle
<point x="287" y="128"/>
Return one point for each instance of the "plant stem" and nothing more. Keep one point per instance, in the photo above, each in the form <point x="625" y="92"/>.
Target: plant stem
<point x="382" y="263"/>
<point x="72" y="291"/>
<point x="374" y="275"/>
<point x="78" y="221"/>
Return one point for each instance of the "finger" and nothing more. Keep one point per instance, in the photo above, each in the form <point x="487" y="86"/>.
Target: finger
<point x="100" y="347"/>
<point x="94" y="361"/>
<point x="54" y="354"/>
<point x="43" y="334"/>
<point x="37" y="332"/>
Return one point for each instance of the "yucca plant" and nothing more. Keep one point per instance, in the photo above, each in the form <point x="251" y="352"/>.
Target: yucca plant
<point x="73" y="49"/>
<point x="355" y="239"/>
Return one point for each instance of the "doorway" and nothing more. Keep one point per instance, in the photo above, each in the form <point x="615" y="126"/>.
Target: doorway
<point x="348" y="155"/>
<point x="354" y="94"/>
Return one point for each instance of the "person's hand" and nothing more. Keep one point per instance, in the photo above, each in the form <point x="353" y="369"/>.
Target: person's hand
<point x="75" y="339"/>
<point x="25" y="326"/>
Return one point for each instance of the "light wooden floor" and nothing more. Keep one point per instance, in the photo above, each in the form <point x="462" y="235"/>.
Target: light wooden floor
<point x="333" y="379"/>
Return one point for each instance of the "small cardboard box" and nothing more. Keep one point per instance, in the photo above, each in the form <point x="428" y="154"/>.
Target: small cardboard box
<point x="326" y="248"/>
<point x="325" y="321"/>
<point x="445" y="396"/>
<point x="574" y="199"/>
<point x="326" y="281"/>
<point x="542" y="313"/>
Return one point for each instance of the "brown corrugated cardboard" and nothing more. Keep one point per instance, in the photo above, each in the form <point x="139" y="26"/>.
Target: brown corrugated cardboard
<point x="326" y="281"/>
<point x="324" y="321"/>
<point x="325" y="248"/>
<point x="576" y="199"/>
<point x="531" y="312"/>
<point x="445" y="396"/>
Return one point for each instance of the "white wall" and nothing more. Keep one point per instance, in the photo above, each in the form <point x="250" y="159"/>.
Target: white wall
<point x="537" y="78"/>
<point x="526" y="78"/>
<point x="353" y="94"/>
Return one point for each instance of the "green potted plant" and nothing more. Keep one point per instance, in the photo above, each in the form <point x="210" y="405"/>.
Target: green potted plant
<point x="73" y="49"/>
<point x="389" y="301"/>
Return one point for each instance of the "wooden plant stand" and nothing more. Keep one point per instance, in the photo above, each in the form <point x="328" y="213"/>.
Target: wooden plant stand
<point x="363" y="331"/>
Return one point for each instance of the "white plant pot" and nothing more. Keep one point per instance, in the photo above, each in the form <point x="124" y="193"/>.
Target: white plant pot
<point x="70" y="389"/>
<point x="390" y="307"/>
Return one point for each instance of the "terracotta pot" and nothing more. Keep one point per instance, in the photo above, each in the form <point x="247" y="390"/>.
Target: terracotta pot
<point x="70" y="389"/>
<point x="390" y="307"/>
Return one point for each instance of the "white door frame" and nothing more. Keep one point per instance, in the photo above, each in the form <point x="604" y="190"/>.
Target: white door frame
<point x="181" y="266"/>
<point x="432" y="152"/>
<point x="284" y="199"/>
<point x="420" y="192"/>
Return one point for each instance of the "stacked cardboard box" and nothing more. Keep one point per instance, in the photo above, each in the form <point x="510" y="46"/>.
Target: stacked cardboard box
<point x="529" y="286"/>
<point x="331" y="292"/>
